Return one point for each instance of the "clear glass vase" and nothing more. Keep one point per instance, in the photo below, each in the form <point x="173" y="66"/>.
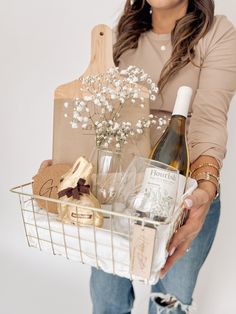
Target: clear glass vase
<point x="109" y="175"/>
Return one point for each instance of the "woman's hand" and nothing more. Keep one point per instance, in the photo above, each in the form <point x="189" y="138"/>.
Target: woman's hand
<point x="198" y="205"/>
<point x="45" y="164"/>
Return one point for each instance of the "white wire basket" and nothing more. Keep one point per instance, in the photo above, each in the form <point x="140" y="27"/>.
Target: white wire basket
<point x="106" y="248"/>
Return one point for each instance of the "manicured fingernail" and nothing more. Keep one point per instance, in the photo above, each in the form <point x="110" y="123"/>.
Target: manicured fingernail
<point x="172" y="251"/>
<point x="162" y="275"/>
<point x="188" y="202"/>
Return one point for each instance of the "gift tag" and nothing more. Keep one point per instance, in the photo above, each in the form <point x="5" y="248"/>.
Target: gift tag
<point x="46" y="184"/>
<point x="142" y="248"/>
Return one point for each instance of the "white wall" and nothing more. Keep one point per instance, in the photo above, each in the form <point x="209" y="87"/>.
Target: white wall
<point x="43" y="44"/>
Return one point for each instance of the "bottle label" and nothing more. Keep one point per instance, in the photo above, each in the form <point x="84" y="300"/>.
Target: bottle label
<point x="161" y="190"/>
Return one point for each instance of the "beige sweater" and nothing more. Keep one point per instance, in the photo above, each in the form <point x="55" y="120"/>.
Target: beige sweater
<point x="214" y="84"/>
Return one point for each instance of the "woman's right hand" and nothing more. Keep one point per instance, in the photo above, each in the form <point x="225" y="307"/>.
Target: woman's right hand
<point x="45" y="164"/>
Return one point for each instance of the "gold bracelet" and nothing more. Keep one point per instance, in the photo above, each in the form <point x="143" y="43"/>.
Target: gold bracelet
<point x="206" y="164"/>
<point x="207" y="176"/>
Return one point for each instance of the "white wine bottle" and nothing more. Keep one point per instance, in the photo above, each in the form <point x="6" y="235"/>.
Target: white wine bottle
<point x="172" y="148"/>
<point x="162" y="186"/>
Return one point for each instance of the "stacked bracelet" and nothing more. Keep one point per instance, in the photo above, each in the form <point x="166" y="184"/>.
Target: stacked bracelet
<point x="205" y="165"/>
<point x="210" y="177"/>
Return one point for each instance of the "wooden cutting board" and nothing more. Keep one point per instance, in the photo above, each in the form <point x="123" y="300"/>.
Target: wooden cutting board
<point x="69" y="143"/>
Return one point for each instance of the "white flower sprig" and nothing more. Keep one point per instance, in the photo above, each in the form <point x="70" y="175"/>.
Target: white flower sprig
<point x="105" y="96"/>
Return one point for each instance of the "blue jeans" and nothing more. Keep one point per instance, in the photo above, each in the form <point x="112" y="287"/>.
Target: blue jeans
<point x="112" y="294"/>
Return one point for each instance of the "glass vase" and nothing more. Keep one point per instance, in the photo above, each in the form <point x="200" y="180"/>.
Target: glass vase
<point x="108" y="178"/>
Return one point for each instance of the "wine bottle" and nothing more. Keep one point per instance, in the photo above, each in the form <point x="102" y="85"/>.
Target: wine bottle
<point x="162" y="186"/>
<point x="172" y="148"/>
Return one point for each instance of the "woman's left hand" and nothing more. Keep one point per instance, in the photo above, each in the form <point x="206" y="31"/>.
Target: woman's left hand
<point x="198" y="205"/>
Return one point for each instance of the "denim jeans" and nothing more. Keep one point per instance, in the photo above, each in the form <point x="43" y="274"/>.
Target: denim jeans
<point x="112" y="294"/>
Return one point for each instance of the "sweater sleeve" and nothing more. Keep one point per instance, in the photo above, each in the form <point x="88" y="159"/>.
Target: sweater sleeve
<point x="217" y="84"/>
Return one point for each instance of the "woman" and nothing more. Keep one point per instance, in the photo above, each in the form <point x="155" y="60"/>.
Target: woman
<point x="179" y="42"/>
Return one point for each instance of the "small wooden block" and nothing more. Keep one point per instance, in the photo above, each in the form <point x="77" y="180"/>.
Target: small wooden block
<point x="46" y="184"/>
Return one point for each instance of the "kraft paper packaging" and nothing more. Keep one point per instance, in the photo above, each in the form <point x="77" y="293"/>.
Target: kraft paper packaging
<point x="77" y="212"/>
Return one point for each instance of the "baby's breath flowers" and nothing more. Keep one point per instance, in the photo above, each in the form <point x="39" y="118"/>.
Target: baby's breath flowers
<point x="104" y="97"/>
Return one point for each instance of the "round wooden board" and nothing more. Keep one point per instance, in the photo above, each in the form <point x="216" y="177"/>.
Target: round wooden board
<point x="46" y="182"/>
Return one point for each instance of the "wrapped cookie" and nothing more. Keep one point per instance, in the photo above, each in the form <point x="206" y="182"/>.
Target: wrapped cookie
<point x="75" y="188"/>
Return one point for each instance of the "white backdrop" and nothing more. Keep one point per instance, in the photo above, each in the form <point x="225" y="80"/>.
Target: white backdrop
<point x="44" y="44"/>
